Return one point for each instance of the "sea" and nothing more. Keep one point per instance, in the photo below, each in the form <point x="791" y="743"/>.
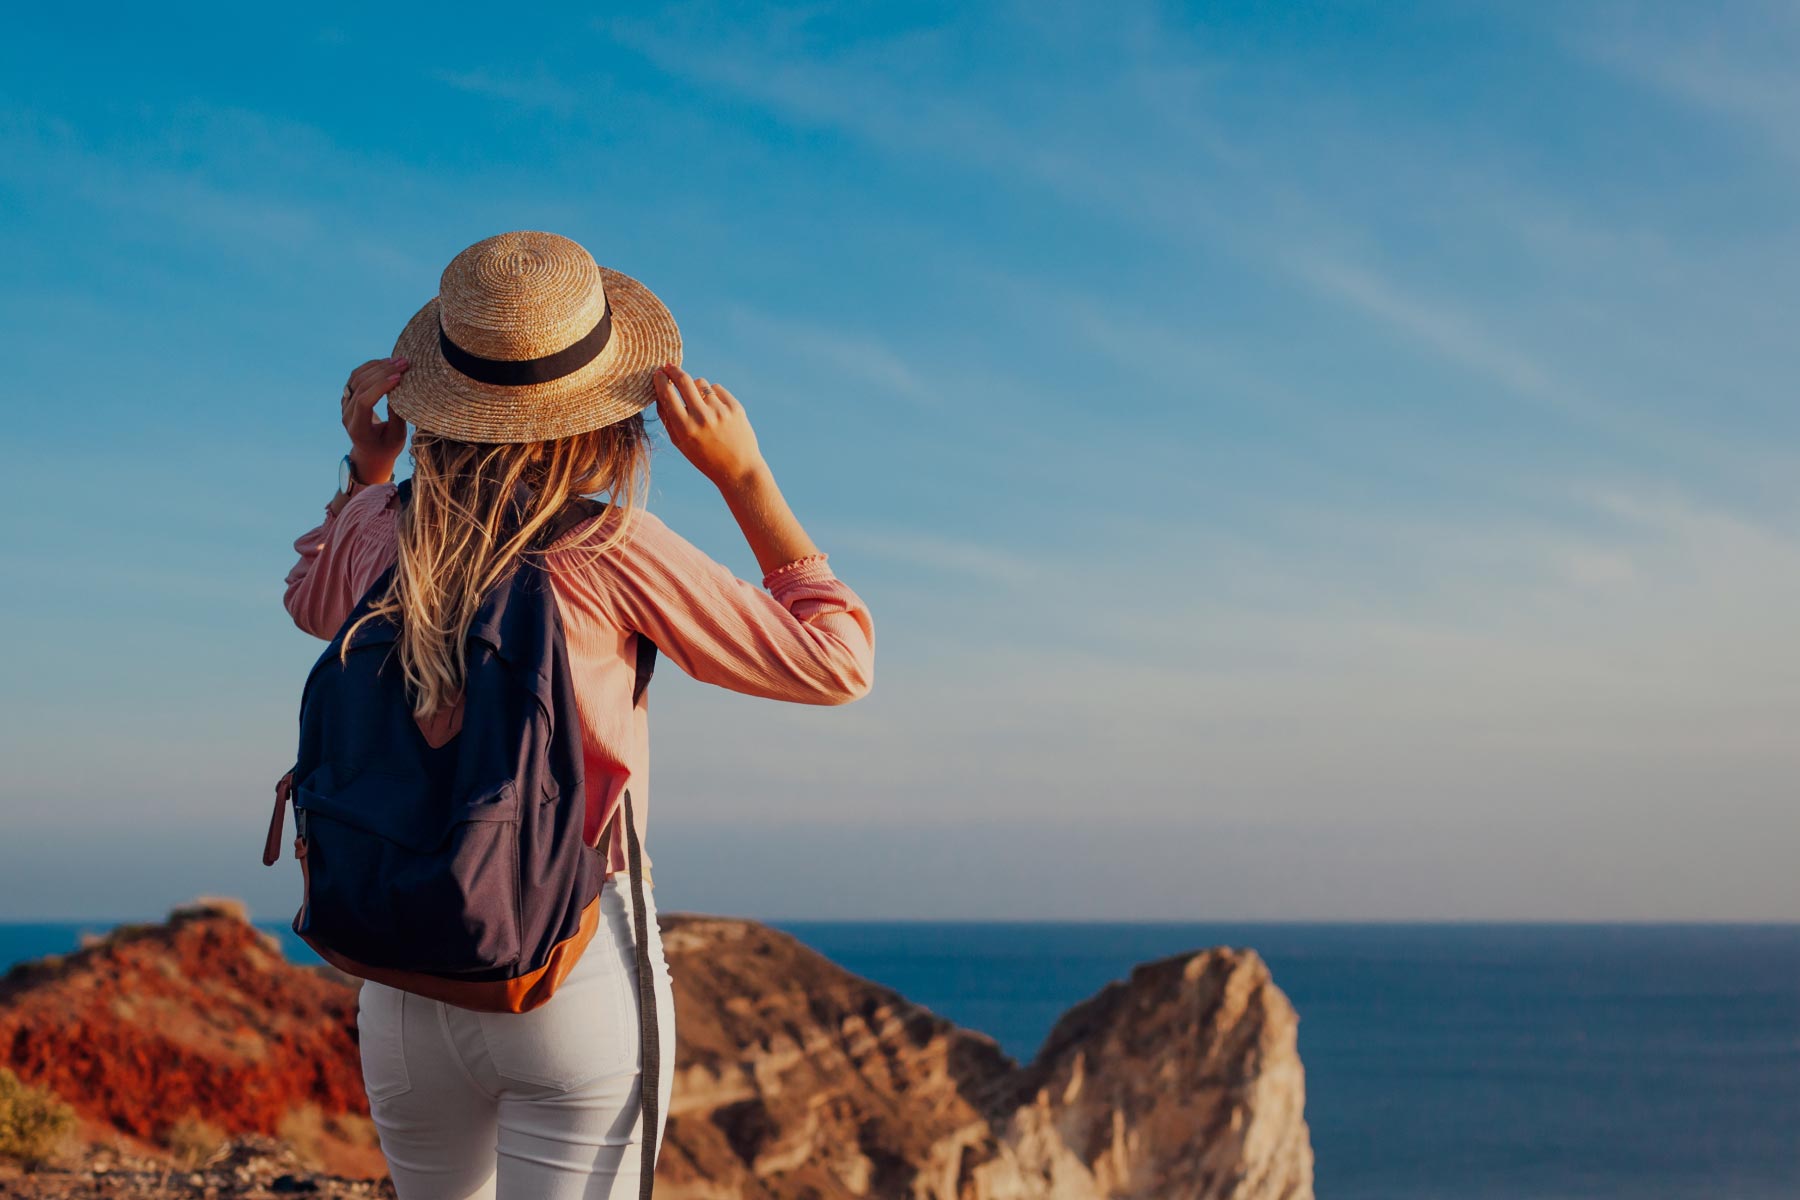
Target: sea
<point x="1443" y="1061"/>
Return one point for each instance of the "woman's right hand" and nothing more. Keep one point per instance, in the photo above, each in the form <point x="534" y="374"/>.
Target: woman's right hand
<point x="708" y="426"/>
<point x="374" y="445"/>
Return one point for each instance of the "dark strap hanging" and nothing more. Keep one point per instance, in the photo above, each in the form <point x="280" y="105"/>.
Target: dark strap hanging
<point x="649" y="1032"/>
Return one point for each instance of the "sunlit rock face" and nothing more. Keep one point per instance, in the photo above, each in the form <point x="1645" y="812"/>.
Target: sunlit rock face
<point x="799" y="1079"/>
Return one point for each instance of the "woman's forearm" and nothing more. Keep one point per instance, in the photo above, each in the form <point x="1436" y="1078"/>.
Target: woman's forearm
<point x="769" y="525"/>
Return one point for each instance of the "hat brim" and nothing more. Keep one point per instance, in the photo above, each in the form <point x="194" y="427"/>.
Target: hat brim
<point x="435" y="397"/>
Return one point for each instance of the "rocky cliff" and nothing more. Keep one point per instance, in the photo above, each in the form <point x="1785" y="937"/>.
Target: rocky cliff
<point x="799" y="1079"/>
<point x="795" y="1078"/>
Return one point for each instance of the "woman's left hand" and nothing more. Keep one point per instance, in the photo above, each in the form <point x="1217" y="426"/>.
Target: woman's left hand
<point x="374" y="445"/>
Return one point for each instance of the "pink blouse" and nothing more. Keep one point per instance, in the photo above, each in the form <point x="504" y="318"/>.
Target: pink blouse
<point x="808" y="639"/>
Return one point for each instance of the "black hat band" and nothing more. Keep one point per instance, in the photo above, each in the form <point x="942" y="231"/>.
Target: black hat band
<point x="518" y="372"/>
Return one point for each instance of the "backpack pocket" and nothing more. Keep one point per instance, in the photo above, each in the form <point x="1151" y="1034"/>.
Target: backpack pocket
<point x="400" y="876"/>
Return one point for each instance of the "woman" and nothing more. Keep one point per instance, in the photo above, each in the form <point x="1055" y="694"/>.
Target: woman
<point x="534" y="364"/>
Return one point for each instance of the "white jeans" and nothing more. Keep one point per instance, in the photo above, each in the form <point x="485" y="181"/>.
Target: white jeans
<point x="539" y="1105"/>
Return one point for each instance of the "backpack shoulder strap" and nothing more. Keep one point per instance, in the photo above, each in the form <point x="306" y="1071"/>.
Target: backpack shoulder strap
<point x="574" y="511"/>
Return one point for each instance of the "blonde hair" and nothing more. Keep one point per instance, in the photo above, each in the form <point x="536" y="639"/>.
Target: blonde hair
<point x="457" y="538"/>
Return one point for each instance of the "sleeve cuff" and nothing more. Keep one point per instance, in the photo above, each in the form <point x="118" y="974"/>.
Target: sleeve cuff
<point x="810" y="569"/>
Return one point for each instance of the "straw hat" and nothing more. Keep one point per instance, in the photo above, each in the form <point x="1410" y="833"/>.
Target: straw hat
<point x="529" y="338"/>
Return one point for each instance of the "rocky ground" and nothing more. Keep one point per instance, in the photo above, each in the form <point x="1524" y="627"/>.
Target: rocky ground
<point x="251" y="1166"/>
<point x="795" y="1078"/>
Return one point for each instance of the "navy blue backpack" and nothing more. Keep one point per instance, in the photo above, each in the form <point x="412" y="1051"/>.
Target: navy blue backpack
<point x="449" y="861"/>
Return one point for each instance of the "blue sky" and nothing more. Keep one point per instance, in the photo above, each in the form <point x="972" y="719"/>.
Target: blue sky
<point x="1304" y="461"/>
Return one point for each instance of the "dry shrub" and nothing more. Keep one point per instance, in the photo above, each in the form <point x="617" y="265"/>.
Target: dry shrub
<point x="223" y="906"/>
<point x="303" y="1129"/>
<point x="192" y="1140"/>
<point x="307" y="1130"/>
<point x="356" y="1129"/>
<point x="34" y="1122"/>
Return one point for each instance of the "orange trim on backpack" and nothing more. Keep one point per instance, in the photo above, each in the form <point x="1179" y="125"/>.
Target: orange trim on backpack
<point x="519" y="994"/>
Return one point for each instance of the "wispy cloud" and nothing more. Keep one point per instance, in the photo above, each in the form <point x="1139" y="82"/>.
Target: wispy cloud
<point x="1446" y="332"/>
<point x="1741" y="68"/>
<point x="540" y="90"/>
<point x="215" y="175"/>
<point x="1150" y="87"/>
<point x="844" y="355"/>
<point x="988" y="564"/>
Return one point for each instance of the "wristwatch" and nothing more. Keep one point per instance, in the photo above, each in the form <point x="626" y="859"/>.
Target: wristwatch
<point x="348" y="485"/>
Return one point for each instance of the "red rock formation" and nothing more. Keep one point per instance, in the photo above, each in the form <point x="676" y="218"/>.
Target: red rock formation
<point x="201" y="1015"/>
